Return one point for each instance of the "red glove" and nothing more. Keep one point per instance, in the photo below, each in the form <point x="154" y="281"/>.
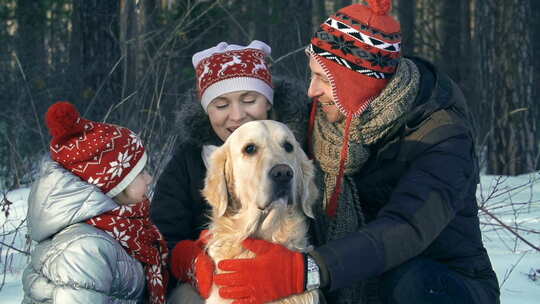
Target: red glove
<point x="275" y="273"/>
<point x="190" y="263"/>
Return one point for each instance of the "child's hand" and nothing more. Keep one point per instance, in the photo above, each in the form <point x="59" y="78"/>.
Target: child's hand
<point x="189" y="263"/>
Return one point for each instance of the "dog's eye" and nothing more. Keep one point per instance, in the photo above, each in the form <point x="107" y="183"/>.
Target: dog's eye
<point x="288" y="147"/>
<point x="250" y="149"/>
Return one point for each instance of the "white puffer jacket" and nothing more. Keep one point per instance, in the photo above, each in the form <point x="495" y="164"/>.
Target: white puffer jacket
<point x="74" y="262"/>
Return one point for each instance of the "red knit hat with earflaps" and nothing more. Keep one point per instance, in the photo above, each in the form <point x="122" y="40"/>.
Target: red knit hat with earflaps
<point x="105" y="155"/>
<point x="359" y="49"/>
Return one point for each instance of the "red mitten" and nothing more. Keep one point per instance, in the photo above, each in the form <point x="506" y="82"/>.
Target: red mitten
<point x="182" y="258"/>
<point x="275" y="273"/>
<point x="204" y="274"/>
<point x="190" y="263"/>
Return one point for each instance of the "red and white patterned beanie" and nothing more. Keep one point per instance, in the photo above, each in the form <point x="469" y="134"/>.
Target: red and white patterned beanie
<point x="227" y="68"/>
<point x="105" y="155"/>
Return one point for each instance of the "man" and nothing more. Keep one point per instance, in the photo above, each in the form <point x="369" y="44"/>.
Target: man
<point x="398" y="218"/>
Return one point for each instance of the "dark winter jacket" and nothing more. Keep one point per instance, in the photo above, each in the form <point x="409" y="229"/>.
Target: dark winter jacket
<point x="178" y="209"/>
<point x="418" y="195"/>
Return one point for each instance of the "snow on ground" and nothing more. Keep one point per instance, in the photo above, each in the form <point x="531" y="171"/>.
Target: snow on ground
<point x="513" y="260"/>
<point x="12" y="233"/>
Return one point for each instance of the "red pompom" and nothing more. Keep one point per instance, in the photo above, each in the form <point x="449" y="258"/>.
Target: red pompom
<point x="380" y="7"/>
<point x="62" y="118"/>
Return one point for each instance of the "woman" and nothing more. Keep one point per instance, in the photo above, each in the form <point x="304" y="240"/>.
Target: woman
<point x="234" y="87"/>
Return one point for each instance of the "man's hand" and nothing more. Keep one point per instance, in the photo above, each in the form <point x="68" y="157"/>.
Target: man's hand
<point x="275" y="273"/>
<point x="190" y="263"/>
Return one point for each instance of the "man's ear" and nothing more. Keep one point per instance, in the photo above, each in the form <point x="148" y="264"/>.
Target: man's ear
<point x="215" y="184"/>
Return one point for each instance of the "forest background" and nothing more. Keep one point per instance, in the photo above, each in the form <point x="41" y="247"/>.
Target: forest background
<point x="129" y="62"/>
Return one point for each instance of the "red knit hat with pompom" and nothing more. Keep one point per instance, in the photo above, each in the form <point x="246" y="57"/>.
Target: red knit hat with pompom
<point x="105" y="155"/>
<point x="359" y="49"/>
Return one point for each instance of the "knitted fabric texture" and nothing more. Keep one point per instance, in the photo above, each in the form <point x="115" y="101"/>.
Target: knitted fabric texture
<point x="131" y="227"/>
<point x="105" y="155"/>
<point x="358" y="44"/>
<point x="392" y="105"/>
<point x="228" y="68"/>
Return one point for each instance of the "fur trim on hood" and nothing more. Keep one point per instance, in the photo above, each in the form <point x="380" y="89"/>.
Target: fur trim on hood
<point x="291" y="107"/>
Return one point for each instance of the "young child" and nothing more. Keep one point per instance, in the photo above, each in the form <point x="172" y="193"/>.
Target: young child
<point x="89" y="213"/>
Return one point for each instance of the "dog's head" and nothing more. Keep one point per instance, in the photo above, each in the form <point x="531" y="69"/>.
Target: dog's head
<point x="260" y="169"/>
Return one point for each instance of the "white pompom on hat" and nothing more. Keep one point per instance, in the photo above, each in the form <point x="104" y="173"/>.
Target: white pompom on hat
<point x="227" y="68"/>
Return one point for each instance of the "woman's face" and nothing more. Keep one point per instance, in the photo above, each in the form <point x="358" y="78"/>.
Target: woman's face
<point x="229" y="111"/>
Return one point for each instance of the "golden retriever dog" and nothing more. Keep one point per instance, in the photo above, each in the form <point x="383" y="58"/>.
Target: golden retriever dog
<point x="260" y="184"/>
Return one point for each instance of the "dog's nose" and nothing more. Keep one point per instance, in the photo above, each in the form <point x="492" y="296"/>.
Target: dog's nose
<point x="281" y="173"/>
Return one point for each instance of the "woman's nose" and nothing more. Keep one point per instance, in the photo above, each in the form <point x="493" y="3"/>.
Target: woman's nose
<point x="237" y="113"/>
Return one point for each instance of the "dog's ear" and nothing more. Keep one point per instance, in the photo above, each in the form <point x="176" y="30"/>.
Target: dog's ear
<point x="308" y="192"/>
<point x="215" y="184"/>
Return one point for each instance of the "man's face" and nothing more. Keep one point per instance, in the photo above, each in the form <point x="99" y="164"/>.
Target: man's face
<point x="320" y="88"/>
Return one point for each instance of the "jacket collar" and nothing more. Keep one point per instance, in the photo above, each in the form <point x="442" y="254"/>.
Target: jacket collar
<point x="435" y="93"/>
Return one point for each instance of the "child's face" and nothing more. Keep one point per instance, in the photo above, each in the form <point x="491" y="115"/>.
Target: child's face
<point x="136" y="191"/>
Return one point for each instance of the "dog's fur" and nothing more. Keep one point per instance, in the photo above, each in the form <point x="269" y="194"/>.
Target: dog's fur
<point x="246" y="202"/>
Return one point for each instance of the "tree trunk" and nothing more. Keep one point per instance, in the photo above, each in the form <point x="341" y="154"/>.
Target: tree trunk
<point x="451" y="33"/>
<point x="95" y="54"/>
<point x="30" y="41"/>
<point x="58" y="41"/>
<point x="508" y="68"/>
<point x="290" y="32"/>
<point x="339" y="4"/>
<point x="150" y="12"/>
<point x="535" y="27"/>
<point x="319" y="14"/>
<point x="75" y="54"/>
<point x="238" y="19"/>
<point x="32" y="56"/>
<point x="407" y="15"/>
<point x="5" y="46"/>
<point x="148" y="28"/>
<point x="457" y="57"/>
<point x="261" y="16"/>
<point x="129" y="46"/>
